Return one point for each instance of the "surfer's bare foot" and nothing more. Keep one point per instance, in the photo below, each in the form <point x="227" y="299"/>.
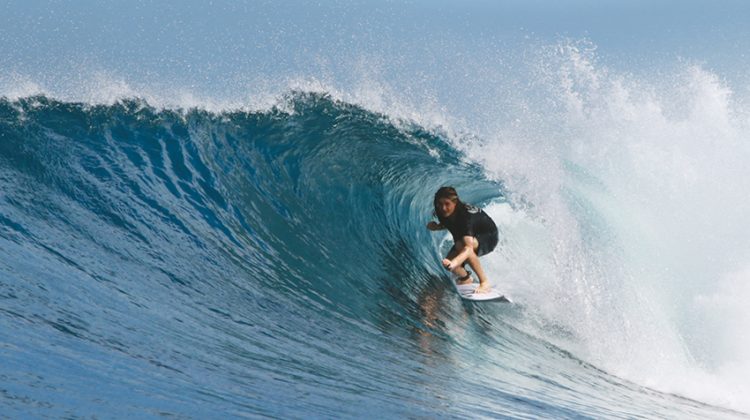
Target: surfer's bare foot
<point x="483" y="288"/>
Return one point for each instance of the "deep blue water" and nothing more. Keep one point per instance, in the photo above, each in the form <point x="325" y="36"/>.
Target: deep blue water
<point x="158" y="262"/>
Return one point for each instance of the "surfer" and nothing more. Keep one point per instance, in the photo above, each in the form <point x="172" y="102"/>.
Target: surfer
<point x="474" y="234"/>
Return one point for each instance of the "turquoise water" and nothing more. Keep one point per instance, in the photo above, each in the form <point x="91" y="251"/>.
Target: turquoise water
<point x="269" y="263"/>
<point x="218" y="209"/>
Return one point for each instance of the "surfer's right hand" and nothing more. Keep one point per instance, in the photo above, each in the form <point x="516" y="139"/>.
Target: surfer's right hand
<point x="433" y="226"/>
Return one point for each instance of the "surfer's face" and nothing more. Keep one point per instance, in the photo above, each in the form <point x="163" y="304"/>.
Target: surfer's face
<point x="446" y="207"/>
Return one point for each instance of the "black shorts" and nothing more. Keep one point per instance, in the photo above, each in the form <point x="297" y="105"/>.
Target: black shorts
<point x="487" y="242"/>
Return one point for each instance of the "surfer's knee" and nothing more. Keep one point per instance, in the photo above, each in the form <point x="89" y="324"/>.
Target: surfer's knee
<point x="470" y="244"/>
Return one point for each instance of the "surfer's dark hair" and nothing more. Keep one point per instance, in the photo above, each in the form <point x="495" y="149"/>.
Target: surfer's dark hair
<point x="446" y="192"/>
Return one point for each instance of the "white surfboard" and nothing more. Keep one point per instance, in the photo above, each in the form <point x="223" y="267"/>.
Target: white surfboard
<point x="466" y="291"/>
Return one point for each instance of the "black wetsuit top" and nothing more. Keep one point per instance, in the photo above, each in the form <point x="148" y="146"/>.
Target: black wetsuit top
<point x="468" y="221"/>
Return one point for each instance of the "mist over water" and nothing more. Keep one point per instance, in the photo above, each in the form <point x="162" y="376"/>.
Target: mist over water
<point x="638" y="187"/>
<point x="620" y="195"/>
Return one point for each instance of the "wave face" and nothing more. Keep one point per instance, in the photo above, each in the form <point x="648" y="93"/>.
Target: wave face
<point x="268" y="263"/>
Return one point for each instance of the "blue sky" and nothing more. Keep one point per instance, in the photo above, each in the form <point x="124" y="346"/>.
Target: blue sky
<point x="202" y="45"/>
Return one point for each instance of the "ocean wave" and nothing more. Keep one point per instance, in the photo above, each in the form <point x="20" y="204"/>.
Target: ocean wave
<point x="270" y="262"/>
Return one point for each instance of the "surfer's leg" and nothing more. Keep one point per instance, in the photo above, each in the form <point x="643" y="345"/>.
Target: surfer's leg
<point x="464" y="277"/>
<point x="469" y="254"/>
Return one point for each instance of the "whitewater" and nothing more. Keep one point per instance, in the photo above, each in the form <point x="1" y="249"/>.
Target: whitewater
<point x="264" y="254"/>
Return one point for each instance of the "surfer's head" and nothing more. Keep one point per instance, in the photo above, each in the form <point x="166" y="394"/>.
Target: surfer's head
<point x="445" y="202"/>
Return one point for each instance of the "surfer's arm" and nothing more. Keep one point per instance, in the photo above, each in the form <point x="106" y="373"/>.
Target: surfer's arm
<point x="435" y="226"/>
